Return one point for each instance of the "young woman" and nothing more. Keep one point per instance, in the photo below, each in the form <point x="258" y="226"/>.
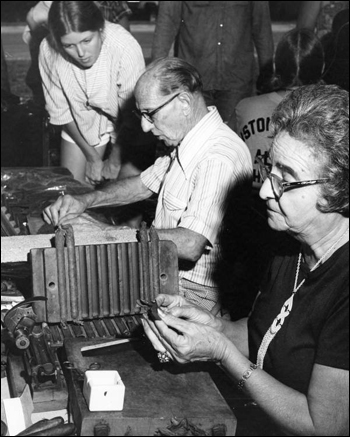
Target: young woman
<point x="89" y="68"/>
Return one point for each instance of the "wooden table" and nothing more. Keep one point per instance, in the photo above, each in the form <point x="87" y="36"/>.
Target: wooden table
<point x="154" y="392"/>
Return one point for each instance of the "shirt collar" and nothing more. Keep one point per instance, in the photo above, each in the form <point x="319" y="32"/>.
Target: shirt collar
<point x="195" y="142"/>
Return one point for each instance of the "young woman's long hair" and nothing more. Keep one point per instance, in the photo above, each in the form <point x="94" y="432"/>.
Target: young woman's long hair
<point x="72" y="16"/>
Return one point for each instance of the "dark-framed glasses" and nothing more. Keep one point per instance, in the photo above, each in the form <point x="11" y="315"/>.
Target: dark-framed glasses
<point x="279" y="186"/>
<point x="147" y="115"/>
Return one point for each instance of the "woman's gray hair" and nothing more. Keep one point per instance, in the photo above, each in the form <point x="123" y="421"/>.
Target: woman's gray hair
<point x="175" y="74"/>
<point x="318" y="116"/>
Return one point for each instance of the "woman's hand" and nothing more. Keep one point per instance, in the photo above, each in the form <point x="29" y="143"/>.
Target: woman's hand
<point x="110" y="171"/>
<point x="168" y="301"/>
<point x="185" y="340"/>
<point x="178" y="306"/>
<point x="64" y="209"/>
<point x="93" y="171"/>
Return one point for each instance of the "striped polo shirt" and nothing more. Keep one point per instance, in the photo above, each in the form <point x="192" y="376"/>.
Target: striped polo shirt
<point x="193" y="192"/>
<point x="109" y="84"/>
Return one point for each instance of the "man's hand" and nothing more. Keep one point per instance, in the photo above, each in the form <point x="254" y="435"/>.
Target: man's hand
<point x="85" y="223"/>
<point x="64" y="210"/>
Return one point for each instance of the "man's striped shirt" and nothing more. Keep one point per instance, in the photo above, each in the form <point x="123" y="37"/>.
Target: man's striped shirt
<point x="193" y="190"/>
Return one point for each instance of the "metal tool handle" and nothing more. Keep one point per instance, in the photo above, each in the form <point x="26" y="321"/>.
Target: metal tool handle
<point x="65" y="236"/>
<point x="150" y="262"/>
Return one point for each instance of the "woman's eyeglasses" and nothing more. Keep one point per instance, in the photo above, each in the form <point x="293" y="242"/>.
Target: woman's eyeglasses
<point x="147" y="115"/>
<point x="277" y="183"/>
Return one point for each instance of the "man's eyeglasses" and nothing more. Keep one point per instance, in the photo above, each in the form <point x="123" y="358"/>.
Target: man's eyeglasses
<point x="277" y="183"/>
<point x="149" y="114"/>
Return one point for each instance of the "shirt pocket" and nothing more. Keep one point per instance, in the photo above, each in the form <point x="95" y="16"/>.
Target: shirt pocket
<point x="174" y="206"/>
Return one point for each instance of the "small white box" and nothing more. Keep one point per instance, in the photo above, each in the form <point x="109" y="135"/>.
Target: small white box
<point x="104" y="390"/>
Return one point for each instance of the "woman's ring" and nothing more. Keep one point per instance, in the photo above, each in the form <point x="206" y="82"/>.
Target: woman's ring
<point x="164" y="357"/>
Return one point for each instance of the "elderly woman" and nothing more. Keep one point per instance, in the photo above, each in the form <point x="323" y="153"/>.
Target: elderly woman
<point x="291" y="354"/>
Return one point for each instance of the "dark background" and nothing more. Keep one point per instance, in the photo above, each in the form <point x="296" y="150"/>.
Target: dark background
<point x="16" y="11"/>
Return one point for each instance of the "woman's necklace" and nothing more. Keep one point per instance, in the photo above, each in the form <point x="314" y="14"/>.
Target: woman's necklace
<point x="86" y="92"/>
<point x="88" y="105"/>
<point x="288" y="305"/>
<point x="87" y="87"/>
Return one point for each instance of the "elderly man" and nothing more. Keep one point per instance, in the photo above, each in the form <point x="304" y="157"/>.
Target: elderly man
<point x="207" y="161"/>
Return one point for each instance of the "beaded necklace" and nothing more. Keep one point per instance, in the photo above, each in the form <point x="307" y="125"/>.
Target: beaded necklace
<point x="288" y="305"/>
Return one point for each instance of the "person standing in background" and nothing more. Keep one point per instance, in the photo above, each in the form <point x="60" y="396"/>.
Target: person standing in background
<point x="218" y="38"/>
<point x="116" y="12"/>
<point x="299" y="60"/>
<point x="336" y="47"/>
<point x="318" y="15"/>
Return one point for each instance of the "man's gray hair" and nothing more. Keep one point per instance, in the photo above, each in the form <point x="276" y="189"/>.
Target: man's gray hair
<point x="175" y="74"/>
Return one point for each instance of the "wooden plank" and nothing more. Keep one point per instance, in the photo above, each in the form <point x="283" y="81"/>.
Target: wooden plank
<point x="17" y="248"/>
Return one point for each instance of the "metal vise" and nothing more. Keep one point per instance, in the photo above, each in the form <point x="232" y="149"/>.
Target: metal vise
<point x="92" y="290"/>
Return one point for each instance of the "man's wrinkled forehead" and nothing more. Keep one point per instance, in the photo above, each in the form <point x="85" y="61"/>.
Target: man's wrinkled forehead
<point x="146" y="90"/>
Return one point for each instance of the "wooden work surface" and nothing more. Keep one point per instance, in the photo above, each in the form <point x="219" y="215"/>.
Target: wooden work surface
<point x="154" y="392"/>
